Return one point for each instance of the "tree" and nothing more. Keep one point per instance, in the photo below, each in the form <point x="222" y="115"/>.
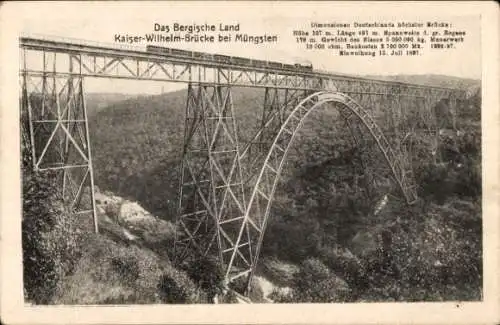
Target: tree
<point x="315" y="283"/>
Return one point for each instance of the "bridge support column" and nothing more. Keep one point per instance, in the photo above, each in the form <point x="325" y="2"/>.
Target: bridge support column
<point x="211" y="194"/>
<point x="55" y="116"/>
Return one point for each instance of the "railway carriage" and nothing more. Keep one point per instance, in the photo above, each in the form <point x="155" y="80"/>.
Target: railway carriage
<point x="157" y="49"/>
<point x="303" y="67"/>
<point x="222" y="58"/>
<point x="197" y="55"/>
<point x="181" y="53"/>
<point x="275" y="65"/>
<point x="226" y="59"/>
<point x="241" y="61"/>
<point x="259" y="63"/>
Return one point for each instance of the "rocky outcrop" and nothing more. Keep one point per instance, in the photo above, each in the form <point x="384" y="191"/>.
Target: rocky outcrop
<point x="135" y="223"/>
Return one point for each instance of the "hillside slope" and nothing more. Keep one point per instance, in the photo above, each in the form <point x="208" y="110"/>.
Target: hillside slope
<point x="97" y="101"/>
<point x="434" y="80"/>
<point x="130" y="260"/>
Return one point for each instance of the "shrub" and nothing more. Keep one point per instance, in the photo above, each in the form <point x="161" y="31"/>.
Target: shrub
<point x="175" y="287"/>
<point x="50" y="238"/>
<point x="315" y="283"/>
<point x="127" y="268"/>
<point x="434" y="182"/>
<point x="206" y="274"/>
<point x="281" y="296"/>
<point x="112" y="274"/>
<point x="152" y="280"/>
<point x="277" y="271"/>
<point x="112" y="210"/>
<point x="348" y="267"/>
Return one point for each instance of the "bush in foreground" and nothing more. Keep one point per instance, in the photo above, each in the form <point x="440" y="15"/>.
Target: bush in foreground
<point x="112" y="274"/>
<point x="314" y="283"/>
<point x="206" y="274"/>
<point x="50" y="238"/>
<point x="66" y="264"/>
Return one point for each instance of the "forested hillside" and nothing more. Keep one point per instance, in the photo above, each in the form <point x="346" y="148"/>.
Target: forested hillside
<point x="433" y="80"/>
<point x="98" y="101"/>
<point x="331" y="237"/>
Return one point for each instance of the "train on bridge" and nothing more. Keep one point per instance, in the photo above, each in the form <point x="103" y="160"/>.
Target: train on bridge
<point x="226" y="59"/>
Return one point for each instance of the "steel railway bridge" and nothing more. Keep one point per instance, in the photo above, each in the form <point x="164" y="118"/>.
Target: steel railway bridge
<point x="226" y="187"/>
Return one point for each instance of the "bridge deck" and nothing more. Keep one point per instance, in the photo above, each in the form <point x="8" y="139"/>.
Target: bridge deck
<point x="108" y="61"/>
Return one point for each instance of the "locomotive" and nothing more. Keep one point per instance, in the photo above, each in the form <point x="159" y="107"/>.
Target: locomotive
<point x="226" y="59"/>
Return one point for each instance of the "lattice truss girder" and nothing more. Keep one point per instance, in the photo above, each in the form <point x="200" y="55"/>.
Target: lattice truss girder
<point x="143" y="66"/>
<point x="102" y="61"/>
<point x="53" y="108"/>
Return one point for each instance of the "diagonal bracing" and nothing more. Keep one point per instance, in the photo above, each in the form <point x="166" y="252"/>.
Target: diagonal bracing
<point x="58" y="134"/>
<point x="211" y="193"/>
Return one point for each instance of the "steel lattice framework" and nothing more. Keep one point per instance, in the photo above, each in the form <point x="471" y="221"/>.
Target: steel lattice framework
<point x="226" y="188"/>
<point x="59" y="138"/>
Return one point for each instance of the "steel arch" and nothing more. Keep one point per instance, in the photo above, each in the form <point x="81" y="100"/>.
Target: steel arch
<point x="260" y="201"/>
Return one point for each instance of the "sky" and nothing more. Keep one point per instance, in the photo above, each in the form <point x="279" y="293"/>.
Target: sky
<point x="101" y="21"/>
